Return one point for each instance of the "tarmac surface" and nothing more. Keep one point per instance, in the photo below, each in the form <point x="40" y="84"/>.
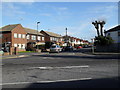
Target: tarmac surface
<point x="60" y="70"/>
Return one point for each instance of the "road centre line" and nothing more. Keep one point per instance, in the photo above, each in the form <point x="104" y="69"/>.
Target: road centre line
<point x="15" y="83"/>
<point x="66" y="67"/>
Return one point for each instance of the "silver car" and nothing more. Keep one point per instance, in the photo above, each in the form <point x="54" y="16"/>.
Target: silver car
<point x="55" y="48"/>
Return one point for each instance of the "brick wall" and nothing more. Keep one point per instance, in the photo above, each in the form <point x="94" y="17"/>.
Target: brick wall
<point x="47" y="37"/>
<point x="30" y="38"/>
<point x="6" y="37"/>
<point x="19" y="30"/>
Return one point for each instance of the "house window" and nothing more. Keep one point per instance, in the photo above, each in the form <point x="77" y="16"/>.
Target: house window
<point x="38" y="37"/>
<point x="19" y="45"/>
<point x="19" y="35"/>
<point x="55" y="39"/>
<point x="23" y="36"/>
<point x="108" y="34"/>
<point x="15" y="35"/>
<point x="51" y="38"/>
<point x="15" y="45"/>
<point x="118" y="33"/>
<point x="23" y="46"/>
<point x="61" y="39"/>
<point x="28" y="36"/>
<point x="33" y="37"/>
<point x="1" y="35"/>
<point x="42" y="38"/>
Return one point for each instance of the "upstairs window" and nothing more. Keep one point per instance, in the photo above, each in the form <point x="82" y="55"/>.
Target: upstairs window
<point x="51" y="38"/>
<point x="19" y="35"/>
<point x="23" y="36"/>
<point x="28" y="36"/>
<point x="15" y="35"/>
<point x="33" y="37"/>
<point x="39" y="38"/>
<point x="43" y="38"/>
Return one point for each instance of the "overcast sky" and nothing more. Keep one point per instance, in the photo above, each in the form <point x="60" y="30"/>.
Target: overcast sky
<point x="56" y="16"/>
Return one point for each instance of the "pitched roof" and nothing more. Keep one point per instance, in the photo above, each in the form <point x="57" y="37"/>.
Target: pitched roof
<point x="52" y="34"/>
<point x="8" y="27"/>
<point x="113" y="29"/>
<point x="12" y="26"/>
<point x="32" y="31"/>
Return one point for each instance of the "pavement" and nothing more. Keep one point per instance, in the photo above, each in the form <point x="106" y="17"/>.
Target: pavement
<point x="20" y="55"/>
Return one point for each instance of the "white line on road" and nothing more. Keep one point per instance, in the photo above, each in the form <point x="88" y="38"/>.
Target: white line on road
<point x="15" y="83"/>
<point x="66" y="67"/>
<point x="50" y="58"/>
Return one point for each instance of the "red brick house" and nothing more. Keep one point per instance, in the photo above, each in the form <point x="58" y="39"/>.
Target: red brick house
<point x="34" y="38"/>
<point x="52" y="37"/>
<point x="20" y="36"/>
<point x="15" y="34"/>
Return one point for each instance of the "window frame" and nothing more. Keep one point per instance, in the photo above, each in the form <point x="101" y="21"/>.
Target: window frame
<point x="33" y="37"/>
<point x="43" y="38"/>
<point x="19" y="35"/>
<point x="15" y="45"/>
<point x="23" y="36"/>
<point x="39" y="38"/>
<point x="15" y="35"/>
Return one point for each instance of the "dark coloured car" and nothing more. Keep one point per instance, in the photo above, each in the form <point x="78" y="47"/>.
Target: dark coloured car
<point x="68" y="48"/>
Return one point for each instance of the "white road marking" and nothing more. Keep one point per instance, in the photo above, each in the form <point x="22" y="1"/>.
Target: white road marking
<point x="15" y="83"/>
<point x="66" y="67"/>
<point x="50" y="58"/>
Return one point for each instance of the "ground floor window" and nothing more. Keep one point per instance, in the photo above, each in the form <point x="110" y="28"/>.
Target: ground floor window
<point x="19" y="45"/>
<point x="23" y="46"/>
<point x="15" y="45"/>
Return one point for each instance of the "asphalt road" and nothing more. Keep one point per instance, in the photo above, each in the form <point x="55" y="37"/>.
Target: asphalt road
<point x="58" y="70"/>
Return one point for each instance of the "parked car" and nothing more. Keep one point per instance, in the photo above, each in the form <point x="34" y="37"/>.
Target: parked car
<point x="79" y="47"/>
<point x="68" y="48"/>
<point x="85" y="46"/>
<point x="55" y="48"/>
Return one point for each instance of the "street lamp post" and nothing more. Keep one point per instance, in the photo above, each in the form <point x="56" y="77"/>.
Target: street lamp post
<point x="66" y="37"/>
<point x="66" y="31"/>
<point x="37" y="34"/>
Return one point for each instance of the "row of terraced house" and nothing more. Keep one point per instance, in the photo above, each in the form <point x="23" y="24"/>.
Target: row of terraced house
<point x="25" y="38"/>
